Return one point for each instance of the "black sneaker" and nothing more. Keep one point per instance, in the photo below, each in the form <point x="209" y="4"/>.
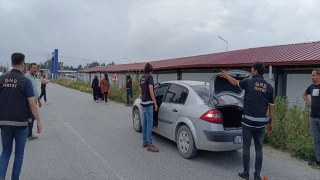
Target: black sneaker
<point x="244" y="176"/>
<point x="257" y="176"/>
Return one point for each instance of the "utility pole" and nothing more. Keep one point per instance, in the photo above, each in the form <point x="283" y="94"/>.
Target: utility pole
<point x="127" y="59"/>
<point x="224" y="41"/>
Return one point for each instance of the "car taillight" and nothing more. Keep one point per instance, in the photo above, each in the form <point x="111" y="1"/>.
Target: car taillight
<point x="212" y="116"/>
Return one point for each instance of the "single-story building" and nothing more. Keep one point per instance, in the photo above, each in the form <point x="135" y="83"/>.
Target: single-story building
<point x="288" y="67"/>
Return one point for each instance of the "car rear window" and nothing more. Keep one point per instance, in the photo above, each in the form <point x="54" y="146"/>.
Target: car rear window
<point x="223" y="85"/>
<point x="202" y="91"/>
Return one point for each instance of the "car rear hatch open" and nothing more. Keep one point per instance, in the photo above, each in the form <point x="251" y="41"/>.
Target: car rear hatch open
<point x="228" y="98"/>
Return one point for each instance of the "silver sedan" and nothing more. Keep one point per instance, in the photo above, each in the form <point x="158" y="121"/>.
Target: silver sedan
<point x="197" y="115"/>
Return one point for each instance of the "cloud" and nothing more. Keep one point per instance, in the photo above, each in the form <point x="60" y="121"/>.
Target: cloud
<point x="150" y="30"/>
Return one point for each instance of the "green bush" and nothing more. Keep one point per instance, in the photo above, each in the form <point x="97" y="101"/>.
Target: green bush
<point x="291" y="126"/>
<point x="291" y="129"/>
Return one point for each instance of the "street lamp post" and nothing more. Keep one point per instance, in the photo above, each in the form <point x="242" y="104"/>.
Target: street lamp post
<point x="127" y="59"/>
<point x="224" y="41"/>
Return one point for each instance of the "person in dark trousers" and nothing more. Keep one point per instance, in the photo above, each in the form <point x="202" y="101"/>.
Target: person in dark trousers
<point x="106" y="86"/>
<point x="314" y="91"/>
<point x="258" y="99"/>
<point x="129" y="86"/>
<point x="95" y="88"/>
<point x="16" y="95"/>
<point x="43" y="86"/>
<point x="148" y="103"/>
<point x="31" y="75"/>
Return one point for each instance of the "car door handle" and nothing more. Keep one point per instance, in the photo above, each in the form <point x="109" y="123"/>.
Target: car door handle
<point x="174" y="110"/>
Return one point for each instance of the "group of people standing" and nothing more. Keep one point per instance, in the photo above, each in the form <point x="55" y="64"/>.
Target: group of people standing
<point x="101" y="88"/>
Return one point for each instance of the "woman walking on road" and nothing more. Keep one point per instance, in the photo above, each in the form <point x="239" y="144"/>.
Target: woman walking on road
<point x="106" y="86"/>
<point x="43" y="86"/>
<point x="95" y="88"/>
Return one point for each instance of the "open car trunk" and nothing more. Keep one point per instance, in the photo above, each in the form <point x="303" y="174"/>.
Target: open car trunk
<point x="231" y="116"/>
<point x="228" y="98"/>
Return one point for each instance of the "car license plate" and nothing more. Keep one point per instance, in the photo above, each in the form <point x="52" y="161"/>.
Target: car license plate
<point x="237" y="139"/>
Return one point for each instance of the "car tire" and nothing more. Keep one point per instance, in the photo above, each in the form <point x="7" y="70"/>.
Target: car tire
<point x="136" y="120"/>
<point x="185" y="143"/>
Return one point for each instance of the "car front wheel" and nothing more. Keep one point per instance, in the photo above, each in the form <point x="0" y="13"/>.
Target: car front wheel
<point x="136" y="120"/>
<point x="185" y="143"/>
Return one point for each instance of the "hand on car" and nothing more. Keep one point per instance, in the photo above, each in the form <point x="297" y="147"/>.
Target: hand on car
<point x="223" y="74"/>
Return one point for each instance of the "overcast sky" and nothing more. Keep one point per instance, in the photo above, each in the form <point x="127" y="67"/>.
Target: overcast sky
<point x="150" y="30"/>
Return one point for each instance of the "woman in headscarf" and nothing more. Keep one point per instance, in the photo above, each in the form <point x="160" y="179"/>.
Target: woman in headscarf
<point x="95" y="88"/>
<point x="106" y="86"/>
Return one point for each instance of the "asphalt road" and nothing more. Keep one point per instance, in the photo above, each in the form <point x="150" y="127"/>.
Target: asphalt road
<point x="86" y="140"/>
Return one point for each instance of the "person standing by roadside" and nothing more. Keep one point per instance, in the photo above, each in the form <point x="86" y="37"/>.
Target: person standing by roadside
<point x="314" y="91"/>
<point x="43" y="86"/>
<point x="31" y="76"/>
<point x="101" y="89"/>
<point x="106" y="86"/>
<point x="148" y="102"/>
<point x="95" y="88"/>
<point x="258" y="99"/>
<point x="16" y="94"/>
<point x="129" y="86"/>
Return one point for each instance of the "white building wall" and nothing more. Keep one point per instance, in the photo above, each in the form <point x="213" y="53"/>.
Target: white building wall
<point x="166" y="77"/>
<point x="197" y="76"/>
<point x="296" y="85"/>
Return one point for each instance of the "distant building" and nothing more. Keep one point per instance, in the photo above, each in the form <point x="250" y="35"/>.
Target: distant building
<point x="288" y="67"/>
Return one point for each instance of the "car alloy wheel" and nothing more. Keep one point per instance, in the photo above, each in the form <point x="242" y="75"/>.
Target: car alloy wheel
<point x="184" y="142"/>
<point x="137" y="121"/>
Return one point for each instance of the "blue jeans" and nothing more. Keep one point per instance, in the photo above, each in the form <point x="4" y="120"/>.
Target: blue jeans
<point x="129" y="95"/>
<point x="258" y="135"/>
<point x="315" y="129"/>
<point x="31" y="126"/>
<point x="7" y="136"/>
<point x="147" y="124"/>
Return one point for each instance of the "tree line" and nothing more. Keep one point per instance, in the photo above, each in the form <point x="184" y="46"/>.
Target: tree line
<point x="61" y="66"/>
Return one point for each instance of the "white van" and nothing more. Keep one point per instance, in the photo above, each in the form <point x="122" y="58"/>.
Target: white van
<point x="70" y="76"/>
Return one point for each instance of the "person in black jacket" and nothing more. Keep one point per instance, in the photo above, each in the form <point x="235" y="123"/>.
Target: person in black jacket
<point x="149" y="104"/>
<point x="16" y="94"/>
<point x="95" y="88"/>
<point x="129" y="86"/>
<point x="258" y="98"/>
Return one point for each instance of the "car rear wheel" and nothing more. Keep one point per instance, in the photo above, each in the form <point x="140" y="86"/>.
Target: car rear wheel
<point x="185" y="143"/>
<point x="136" y="120"/>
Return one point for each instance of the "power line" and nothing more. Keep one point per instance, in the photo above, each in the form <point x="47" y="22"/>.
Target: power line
<point x="80" y="58"/>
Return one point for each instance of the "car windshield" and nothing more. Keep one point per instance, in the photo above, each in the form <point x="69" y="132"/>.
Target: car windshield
<point x="202" y="91"/>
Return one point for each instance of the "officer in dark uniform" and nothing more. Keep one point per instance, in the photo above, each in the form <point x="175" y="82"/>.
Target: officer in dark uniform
<point x="16" y="94"/>
<point x="129" y="86"/>
<point x="257" y="99"/>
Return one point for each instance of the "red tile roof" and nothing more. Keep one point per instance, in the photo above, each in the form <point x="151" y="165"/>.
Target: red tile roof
<point x="291" y="54"/>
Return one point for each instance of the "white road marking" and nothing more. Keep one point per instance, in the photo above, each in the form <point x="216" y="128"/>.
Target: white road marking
<point x="91" y="148"/>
